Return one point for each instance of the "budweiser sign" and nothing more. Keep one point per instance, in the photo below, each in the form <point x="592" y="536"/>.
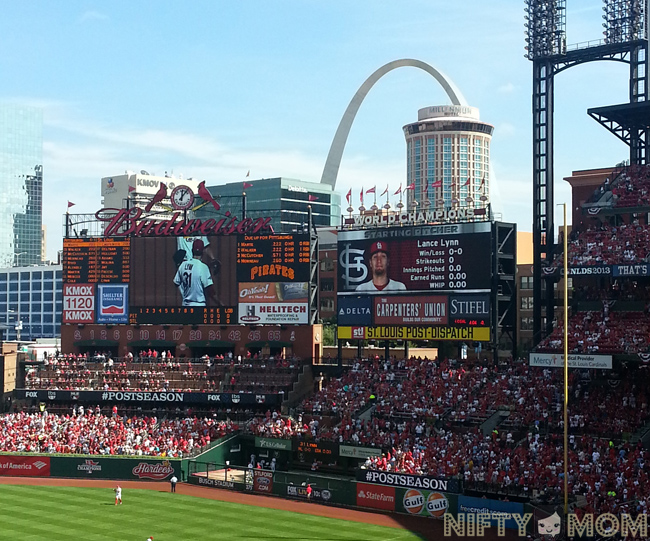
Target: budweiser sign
<point x="157" y="472"/>
<point x="130" y="222"/>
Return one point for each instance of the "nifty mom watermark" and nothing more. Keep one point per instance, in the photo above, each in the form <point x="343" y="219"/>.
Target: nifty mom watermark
<point x="605" y="525"/>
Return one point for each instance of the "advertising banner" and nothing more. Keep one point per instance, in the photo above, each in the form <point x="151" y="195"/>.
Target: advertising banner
<point x="271" y="292"/>
<point x="642" y="269"/>
<point x="78" y="303"/>
<point x="376" y="497"/>
<point x="423" y="259"/>
<point x="273" y="443"/>
<point x="358" y="452"/>
<point x="470" y="309"/>
<point x="287" y="313"/>
<point x="632" y="270"/>
<point x="426" y="503"/>
<point x="399" y="310"/>
<point x="263" y="481"/>
<point x="317" y="494"/>
<point x="98" y="467"/>
<point x="407" y="480"/>
<point x="25" y="466"/>
<point x="467" y="504"/>
<point x="110" y="397"/>
<point x="203" y="481"/>
<point x="475" y="334"/>
<point x="113" y="303"/>
<point x="556" y="360"/>
<point x="354" y="311"/>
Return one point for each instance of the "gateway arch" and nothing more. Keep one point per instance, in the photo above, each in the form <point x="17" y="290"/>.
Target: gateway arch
<point x="331" y="169"/>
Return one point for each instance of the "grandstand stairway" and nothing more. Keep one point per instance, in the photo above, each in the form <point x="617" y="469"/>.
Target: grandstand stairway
<point x="494" y="421"/>
<point x="367" y="413"/>
<point x="643" y="434"/>
<point x="301" y="388"/>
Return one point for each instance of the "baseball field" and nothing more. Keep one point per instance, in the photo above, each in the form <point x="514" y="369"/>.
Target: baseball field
<point x="33" y="512"/>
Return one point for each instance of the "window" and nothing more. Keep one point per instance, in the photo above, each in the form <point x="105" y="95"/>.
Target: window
<point x="327" y="284"/>
<point x="526" y="282"/>
<point x="526" y="324"/>
<point x="327" y="264"/>
<point x="327" y="305"/>
<point x="526" y="303"/>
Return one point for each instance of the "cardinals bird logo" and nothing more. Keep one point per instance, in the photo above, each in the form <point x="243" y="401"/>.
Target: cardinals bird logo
<point x="160" y="195"/>
<point x="207" y="196"/>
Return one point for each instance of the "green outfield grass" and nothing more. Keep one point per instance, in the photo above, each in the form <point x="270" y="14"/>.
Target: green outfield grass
<point x="35" y="513"/>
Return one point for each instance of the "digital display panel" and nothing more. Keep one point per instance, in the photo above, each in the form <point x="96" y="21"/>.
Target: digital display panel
<point x="96" y="261"/>
<point x="196" y="279"/>
<point x="436" y="276"/>
<point x="414" y="259"/>
<point x="280" y="258"/>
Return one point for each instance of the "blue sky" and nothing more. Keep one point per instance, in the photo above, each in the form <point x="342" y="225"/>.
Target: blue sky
<point x="213" y="89"/>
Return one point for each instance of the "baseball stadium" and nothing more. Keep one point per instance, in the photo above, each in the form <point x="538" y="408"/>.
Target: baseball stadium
<point x="200" y="392"/>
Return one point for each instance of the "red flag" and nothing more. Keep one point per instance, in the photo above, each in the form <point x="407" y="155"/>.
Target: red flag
<point x="247" y="185"/>
<point x="371" y="190"/>
<point x="361" y="196"/>
<point x="399" y="190"/>
<point x="385" y="191"/>
<point x="313" y="198"/>
<point x="349" y="195"/>
<point x="467" y="181"/>
<point x="483" y="181"/>
<point x="131" y="189"/>
<point x="410" y="187"/>
<point x="70" y="204"/>
<point x="436" y="184"/>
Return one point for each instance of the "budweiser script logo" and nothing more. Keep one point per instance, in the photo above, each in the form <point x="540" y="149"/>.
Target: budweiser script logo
<point x="157" y="472"/>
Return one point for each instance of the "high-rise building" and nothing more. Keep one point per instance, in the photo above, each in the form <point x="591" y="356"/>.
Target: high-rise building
<point x="286" y="201"/>
<point x="448" y="157"/>
<point x="21" y="185"/>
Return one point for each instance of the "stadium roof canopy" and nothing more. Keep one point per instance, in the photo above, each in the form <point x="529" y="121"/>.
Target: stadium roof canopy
<point x="626" y="115"/>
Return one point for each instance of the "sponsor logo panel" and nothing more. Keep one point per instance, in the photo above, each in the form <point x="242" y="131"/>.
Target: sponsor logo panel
<point x="78" y="303"/>
<point x="556" y="360"/>
<point x="354" y="310"/>
<point x="263" y="481"/>
<point x="113" y="302"/>
<point x="25" y="466"/>
<point x="475" y="334"/>
<point x="411" y="310"/>
<point x="157" y="471"/>
<point x="273" y="292"/>
<point x="274" y="313"/>
<point x="376" y="496"/>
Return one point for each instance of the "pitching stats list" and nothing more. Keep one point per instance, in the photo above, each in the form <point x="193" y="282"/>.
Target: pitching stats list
<point x="273" y="258"/>
<point x="96" y="260"/>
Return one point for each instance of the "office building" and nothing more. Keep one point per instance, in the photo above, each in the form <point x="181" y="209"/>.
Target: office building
<point x="448" y="157"/>
<point x="21" y="185"/>
<point x="284" y="200"/>
<point x="31" y="302"/>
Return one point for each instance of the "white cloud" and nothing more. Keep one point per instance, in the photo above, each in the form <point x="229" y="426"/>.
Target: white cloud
<point x="92" y="15"/>
<point x="507" y="88"/>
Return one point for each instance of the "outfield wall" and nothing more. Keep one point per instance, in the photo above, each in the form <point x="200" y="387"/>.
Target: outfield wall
<point x="90" y="467"/>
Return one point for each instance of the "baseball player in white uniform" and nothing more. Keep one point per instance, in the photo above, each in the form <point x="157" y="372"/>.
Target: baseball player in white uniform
<point x="118" y="495"/>
<point x="194" y="279"/>
<point x="378" y="262"/>
<point x="186" y="243"/>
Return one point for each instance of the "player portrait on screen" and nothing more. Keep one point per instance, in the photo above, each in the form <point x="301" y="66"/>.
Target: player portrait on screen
<point x="194" y="278"/>
<point x="378" y="261"/>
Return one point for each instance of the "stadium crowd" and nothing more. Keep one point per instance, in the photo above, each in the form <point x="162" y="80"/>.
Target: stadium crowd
<point x="91" y="432"/>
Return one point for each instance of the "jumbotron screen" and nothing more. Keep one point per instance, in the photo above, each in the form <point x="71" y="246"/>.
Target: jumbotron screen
<point x="222" y="280"/>
<point x="418" y="275"/>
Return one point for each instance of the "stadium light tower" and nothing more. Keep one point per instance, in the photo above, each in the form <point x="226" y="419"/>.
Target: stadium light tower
<point x="625" y="40"/>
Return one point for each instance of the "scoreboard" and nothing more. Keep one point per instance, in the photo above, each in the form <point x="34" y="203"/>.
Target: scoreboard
<point x="96" y="261"/>
<point x="188" y="315"/>
<point x="279" y="258"/>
